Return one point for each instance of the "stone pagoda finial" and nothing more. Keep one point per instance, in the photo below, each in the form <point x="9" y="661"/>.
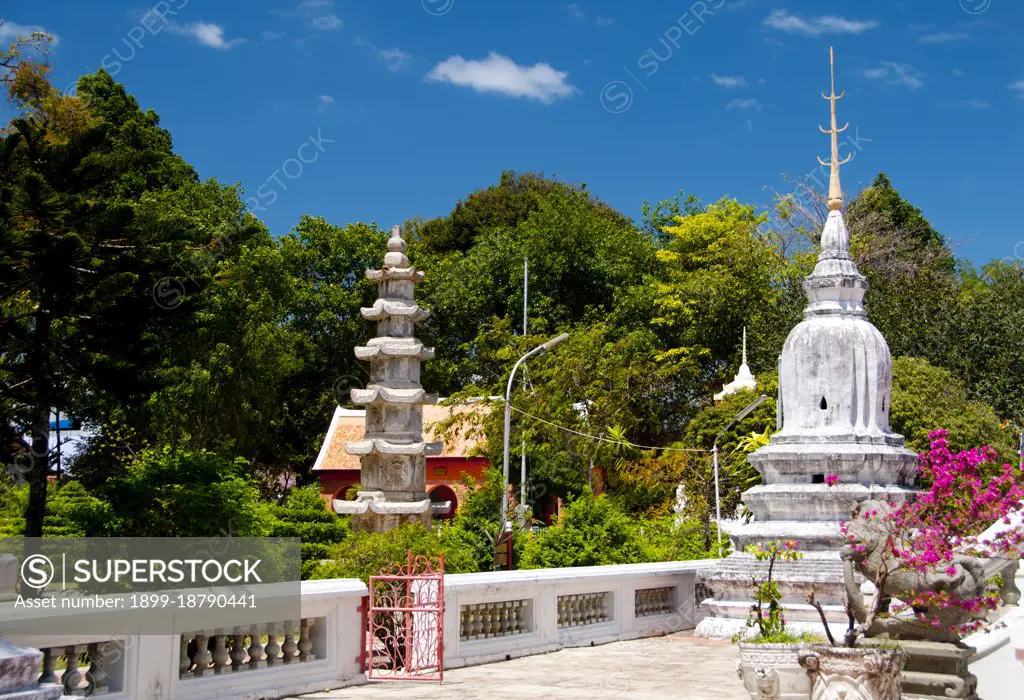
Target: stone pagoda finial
<point x="836" y="285"/>
<point x="744" y="345"/>
<point x="835" y="190"/>
<point x="392" y="452"/>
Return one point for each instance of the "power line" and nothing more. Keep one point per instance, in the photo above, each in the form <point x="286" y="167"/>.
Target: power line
<point x="601" y="439"/>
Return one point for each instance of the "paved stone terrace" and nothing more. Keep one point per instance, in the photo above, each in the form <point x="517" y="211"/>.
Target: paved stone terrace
<point x="676" y="666"/>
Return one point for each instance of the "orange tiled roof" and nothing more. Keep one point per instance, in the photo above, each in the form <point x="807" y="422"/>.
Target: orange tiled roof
<point x="465" y="439"/>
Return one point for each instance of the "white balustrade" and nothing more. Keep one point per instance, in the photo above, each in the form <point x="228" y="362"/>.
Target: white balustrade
<point x="488" y="616"/>
<point x="653" y="601"/>
<point x="495" y="615"/>
<point x="264" y="659"/>
<point x="227" y="651"/>
<point x="578" y="609"/>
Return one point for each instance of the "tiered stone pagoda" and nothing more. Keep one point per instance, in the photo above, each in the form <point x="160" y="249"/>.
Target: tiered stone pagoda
<point x="392" y="452"/>
<point x="835" y="381"/>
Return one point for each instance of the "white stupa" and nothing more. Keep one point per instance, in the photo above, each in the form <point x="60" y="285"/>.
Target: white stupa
<point x="744" y="378"/>
<point x="835" y="384"/>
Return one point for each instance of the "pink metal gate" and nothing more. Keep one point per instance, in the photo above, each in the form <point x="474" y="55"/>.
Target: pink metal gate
<point x="405" y="639"/>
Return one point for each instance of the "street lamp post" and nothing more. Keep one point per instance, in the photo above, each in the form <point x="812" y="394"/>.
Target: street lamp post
<point x="508" y="417"/>
<point x="714" y="451"/>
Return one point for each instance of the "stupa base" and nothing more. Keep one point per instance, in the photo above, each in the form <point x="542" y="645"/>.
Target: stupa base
<point x="730" y="593"/>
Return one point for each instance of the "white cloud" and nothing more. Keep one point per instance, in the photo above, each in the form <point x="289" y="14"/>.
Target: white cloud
<point x="943" y="37"/>
<point x="729" y="81"/>
<point x="395" y="59"/>
<point x="327" y="22"/>
<point x="1018" y="87"/>
<point x="9" y="31"/>
<point x="742" y="4"/>
<point x="896" y="74"/>
<point x="271" y="36"/>
<point x="748" y="104"/>
<point x="784" y="21"/>
<point x="207" y="34"/>
<point x="316" y="12"/>
<point x="972" y="103"/>
<point x="326" y="99"/>
<point x="580" y="15"/>
<point x="502" y="75"/>
<point x="957" y="73"/>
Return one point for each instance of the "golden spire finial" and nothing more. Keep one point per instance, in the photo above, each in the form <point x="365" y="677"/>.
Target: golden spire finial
<point x="835" y="191"/>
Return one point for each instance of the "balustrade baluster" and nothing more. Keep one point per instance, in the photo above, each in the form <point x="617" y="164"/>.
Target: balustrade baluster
<point x="495" y="612"/>
<point x="203" y="658"/>
<point x="220" y="654"/>
<point x="72" y="677"/>
<point x="273" y="648"/>
<point x="289" y="649"/>
<point x="100" y="680"/>
<point x="503" y="619"/>
<point x="1009" y="591"/>
<point x="238" y="654"/>
<point x="478" y="621"/>
<point x="256" y="653"/>
<point x="306" y="641"/>
<point x="49" y="661"/>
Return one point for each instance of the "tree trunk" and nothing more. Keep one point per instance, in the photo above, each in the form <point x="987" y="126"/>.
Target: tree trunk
<point x="40" y="457"/>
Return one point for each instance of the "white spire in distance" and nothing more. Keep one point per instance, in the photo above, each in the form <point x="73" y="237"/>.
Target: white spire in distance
<point x="744" y="379"/>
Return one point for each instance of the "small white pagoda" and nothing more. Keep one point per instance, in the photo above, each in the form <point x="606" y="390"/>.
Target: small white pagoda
<point x="835" y="382"/>
<point x="392" y="451"/>
<point x="744" y="379"/>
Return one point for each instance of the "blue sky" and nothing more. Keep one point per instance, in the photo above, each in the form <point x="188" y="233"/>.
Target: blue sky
<point x="405" y="106"/>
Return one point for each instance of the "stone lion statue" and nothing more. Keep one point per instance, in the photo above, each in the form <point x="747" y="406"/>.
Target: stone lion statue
<point x="964" y="578"/>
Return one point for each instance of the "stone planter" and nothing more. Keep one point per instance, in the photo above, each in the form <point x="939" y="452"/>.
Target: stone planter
<point x="840" y="672"/>
<point x="770" y="671"/>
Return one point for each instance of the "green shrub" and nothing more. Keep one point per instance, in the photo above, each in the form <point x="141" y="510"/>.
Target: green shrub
<point x="365" y="554"/>
<point x="71" y="511"/>
<point x="304" y="514"/>
<point x="593" y="531"/>
<point x="170" y="492"/>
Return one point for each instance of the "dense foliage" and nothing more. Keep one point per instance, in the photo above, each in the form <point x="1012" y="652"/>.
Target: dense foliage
<point x="206" y="352"/>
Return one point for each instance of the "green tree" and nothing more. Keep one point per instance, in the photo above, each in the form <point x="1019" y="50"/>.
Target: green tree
<point x="56" y="245"/>
<point x="168" y="492"/>
<point x="721" y="270"/>
<point x="592" y="532"/>
<point x="583" y="260"/>
<point x="981" y="345"/>
<point x="926" y="398"/>
<point x="305" y="514"/>
<point x="736" y="474"/>
<point x="134" y="134"/>
<point x="501" y="206"/>
<point x="619" y="390"/>
<point x="326" y="267"/>
<point x="881" y="202"/>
